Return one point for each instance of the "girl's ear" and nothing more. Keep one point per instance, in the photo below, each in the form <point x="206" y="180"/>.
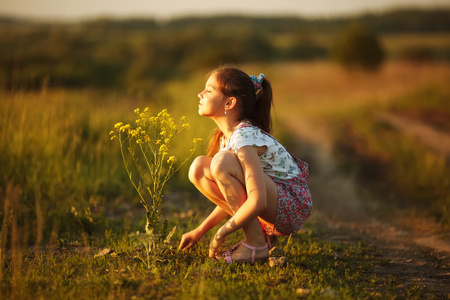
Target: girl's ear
<point x="231" y="103"/>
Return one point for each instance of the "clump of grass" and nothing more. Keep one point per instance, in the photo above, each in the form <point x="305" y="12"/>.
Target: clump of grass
<point x="56" y="150"/>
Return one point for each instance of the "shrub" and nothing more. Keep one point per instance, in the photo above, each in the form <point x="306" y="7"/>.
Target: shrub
<point x="358" y="47"/>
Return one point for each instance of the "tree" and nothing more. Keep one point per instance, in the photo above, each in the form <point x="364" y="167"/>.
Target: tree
<point x="358" y="47"/>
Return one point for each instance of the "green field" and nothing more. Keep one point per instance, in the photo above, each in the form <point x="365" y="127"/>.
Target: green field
<point x="65" y="193"/>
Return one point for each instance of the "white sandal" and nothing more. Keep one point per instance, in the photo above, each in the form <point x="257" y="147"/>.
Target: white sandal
<point x="226" y="255"/>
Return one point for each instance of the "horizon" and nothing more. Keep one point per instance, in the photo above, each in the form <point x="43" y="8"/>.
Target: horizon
<point x="65" y="11"/>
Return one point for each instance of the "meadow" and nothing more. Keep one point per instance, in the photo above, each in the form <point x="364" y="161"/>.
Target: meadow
<point x="341" y="111"/>
<point x="65" y="194"/>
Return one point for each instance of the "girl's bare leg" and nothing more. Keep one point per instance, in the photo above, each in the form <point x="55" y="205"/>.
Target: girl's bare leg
<point x="200" y="176"/>
<point x="221" y="179"/>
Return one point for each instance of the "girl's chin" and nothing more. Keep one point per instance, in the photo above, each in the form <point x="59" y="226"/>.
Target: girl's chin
<point x="202" y="113"/>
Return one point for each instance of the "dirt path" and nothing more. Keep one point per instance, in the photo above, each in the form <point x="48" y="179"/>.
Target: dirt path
<point x="419" y="250"/>
<point x="423" y="133"/>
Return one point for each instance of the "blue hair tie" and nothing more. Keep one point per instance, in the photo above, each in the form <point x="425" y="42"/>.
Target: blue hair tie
<point x="257" y="81"/>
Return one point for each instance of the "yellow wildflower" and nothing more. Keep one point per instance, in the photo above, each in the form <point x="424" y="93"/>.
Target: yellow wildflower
<point x="163" y="148"/>
<point x="172" y="160"/>
<point x="137" y="110"/>
<point x="198" y="141"/>
<point x="125" y="127"/>
<point x="118" y="125"/>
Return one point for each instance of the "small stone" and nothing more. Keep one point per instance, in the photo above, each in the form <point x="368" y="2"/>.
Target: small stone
<point x="277" y="261"/>
<point x="303" y="292"/>
<point x="275" y="251"/>
<point x="104" y="252"/>
<point x="329" y="292"/>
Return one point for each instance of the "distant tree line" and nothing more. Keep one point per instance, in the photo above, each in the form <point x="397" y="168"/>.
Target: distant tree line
<point x="140" y="53"/>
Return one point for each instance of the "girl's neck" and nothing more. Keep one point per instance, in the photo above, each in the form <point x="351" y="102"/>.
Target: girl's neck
<point x="227" y="126"/>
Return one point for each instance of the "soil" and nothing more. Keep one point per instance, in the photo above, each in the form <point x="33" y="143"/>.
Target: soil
<point x="417" y="247"/>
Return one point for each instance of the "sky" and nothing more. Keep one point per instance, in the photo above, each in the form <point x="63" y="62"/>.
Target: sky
<point x="74" y="10"/>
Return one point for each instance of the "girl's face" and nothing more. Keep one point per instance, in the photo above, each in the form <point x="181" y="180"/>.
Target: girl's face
<point x="212" y="100"/>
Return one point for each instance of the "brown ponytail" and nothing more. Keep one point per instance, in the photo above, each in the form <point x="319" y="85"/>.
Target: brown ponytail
<point x="264" y="103"/>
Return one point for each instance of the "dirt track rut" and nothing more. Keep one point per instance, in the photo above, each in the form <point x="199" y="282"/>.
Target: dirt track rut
<point x="344" y="212"/>
<point x="425" y="134"/>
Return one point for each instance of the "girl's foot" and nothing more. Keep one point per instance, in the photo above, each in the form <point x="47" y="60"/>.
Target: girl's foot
<point x="244" y="253"/>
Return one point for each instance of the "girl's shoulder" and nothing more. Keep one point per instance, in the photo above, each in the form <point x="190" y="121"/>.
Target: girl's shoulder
<point x="249" y="134"/>
<point x="247" y="129"/>
<point x="247" y="126"/>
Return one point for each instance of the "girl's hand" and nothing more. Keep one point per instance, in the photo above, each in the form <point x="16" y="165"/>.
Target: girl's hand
<point x="189" y="239"/>
<point x="216" y="242"/>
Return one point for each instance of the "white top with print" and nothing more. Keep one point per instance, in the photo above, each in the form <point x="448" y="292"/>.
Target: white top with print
<point x="276" y="161"/>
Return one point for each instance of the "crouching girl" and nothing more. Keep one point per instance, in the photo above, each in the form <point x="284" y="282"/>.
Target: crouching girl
<point x="248" y="174"/>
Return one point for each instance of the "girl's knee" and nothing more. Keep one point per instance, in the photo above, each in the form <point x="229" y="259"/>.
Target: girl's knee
<point x="224" y="163"/>
<point x="197" y="168"/>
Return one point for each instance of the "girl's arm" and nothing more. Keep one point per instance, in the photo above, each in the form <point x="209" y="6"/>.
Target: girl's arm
<point x="214" y="218"/>
<point x="189" y="239"/>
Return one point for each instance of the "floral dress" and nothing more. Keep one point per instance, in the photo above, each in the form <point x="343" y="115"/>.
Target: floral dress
<point x="289" y="173"/>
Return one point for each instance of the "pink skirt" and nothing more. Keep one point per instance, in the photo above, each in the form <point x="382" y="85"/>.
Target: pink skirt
<point x="294" y="203"/>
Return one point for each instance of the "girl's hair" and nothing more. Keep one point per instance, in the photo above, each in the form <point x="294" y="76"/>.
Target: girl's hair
<point x="253" y="106"/>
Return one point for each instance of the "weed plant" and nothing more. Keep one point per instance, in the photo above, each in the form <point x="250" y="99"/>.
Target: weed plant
<point x="147" y="144"/>
<point x="144" y="147"/>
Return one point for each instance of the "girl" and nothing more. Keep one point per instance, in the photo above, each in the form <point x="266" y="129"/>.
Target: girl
<point x="248" y="174"/>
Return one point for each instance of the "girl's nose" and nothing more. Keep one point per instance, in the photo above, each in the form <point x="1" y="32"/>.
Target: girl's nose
<point x="199" y="95"/>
